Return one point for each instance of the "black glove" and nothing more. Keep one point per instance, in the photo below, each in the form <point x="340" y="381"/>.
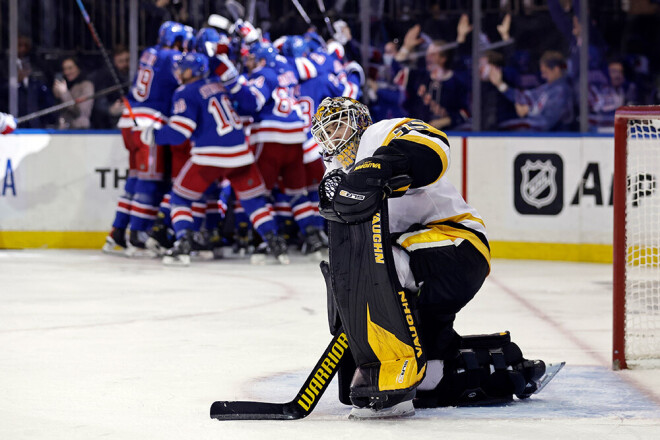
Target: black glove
<point x="355" y="197"/>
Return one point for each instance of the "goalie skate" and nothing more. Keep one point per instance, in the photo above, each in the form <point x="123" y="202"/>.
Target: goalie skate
<point x="551" y="371"/>
<point x="402" y="409"/>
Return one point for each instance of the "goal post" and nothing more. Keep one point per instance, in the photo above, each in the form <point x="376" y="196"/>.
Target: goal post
<point x="636" y="240"/>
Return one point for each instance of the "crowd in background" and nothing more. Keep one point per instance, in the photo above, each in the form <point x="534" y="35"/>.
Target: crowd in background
<point x="419" y="64"/>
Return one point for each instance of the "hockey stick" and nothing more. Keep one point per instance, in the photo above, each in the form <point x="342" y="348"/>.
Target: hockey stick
<point x="115" y="78"/>
<point x="252" y="4"/>
<point x="302" y="12"/>
<point x="305" y="401"/>
<point x="236" y="9"/>
<point x="70" y="103"/>
<point x="321" y="4"/>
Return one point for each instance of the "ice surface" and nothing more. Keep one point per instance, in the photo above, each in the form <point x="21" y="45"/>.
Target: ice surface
<point x="95" y="346"/>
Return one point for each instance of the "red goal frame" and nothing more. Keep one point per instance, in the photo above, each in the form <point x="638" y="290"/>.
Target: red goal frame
<point x="621" y="118"/>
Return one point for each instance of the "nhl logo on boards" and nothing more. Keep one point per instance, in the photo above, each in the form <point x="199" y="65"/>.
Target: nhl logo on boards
<point x="543" y="182"/>
<point x="539" y="184"/>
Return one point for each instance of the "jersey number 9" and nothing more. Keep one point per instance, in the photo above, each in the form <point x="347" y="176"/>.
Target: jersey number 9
<point x="143" y="84"/>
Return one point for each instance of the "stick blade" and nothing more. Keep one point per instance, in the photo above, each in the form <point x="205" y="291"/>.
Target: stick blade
<point x="242" y="410"/>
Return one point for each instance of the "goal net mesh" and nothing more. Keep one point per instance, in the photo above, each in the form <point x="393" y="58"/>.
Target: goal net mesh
<point x="642" y="294"/>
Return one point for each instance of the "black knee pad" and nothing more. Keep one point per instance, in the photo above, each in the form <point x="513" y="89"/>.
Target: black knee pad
<point x="486" y="370"/>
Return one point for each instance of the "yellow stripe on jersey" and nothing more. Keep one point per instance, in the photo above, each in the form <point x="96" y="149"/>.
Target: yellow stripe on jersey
<point x="459" y="218"/>
<point x="396" y="133"/>
<point x="410" y="129"/>
<point x="398" y="364"/>
<point x="441" y="235"/>
<point x="433" y="145"/>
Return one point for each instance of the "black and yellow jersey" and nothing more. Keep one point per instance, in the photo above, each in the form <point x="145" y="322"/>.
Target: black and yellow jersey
<point x="432" y="200"/>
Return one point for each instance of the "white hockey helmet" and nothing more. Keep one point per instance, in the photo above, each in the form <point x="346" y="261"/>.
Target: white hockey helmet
<point x="338" y="126"/>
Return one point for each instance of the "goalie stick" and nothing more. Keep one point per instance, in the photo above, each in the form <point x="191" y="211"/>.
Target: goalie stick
<point x="305" y="401"/>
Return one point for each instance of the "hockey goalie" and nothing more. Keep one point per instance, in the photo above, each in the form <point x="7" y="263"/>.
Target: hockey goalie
<point x="407" y="253"/>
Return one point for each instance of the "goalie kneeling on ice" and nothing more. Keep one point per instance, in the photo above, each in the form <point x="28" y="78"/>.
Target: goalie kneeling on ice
<point x="486" y="370"/>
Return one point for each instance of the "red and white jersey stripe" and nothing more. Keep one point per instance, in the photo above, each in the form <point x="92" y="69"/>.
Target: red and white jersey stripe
<point x="144" y="117"/>
<point x="306" y="69"/>
<point x="225" y="157"/>
<point x="183" y="125"/>
<point x="278" y="132"/>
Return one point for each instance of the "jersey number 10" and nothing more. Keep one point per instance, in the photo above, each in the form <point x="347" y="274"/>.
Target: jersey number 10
<point x="224" y="114"/>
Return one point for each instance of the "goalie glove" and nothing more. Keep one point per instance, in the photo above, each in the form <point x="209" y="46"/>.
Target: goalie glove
<point x="355" y="197"/>
<point x="227" y="73"/>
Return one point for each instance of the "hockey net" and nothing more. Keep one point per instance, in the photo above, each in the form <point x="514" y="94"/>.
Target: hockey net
<point x="636" y="325"/>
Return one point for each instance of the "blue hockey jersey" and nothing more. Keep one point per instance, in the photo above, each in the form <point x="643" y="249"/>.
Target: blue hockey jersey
<point x="202" y="111"/>
<point x="321" y="63"/>
<point x="150" y="96"/>
<point x="271" y="104"/>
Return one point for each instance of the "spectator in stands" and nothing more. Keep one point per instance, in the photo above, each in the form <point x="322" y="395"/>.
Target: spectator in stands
<point x="33" y="95"/>
<point x="495" y="107"/>
<point x="386" y="91"/>
<point x="30" y="61"/>
<point x="604" y="99"/>
<point x="567" y="20"/>
<point x="108" y="108"/>
<point x="440" y="98"/>
<point x="74" y="85"/>
<point x="549" y="107"/>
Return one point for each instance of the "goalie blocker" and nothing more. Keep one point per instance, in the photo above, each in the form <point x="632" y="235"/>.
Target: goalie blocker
<point x="388" y="364"/>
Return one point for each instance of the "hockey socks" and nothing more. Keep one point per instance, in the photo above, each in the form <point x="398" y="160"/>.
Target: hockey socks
<point x="260" y="214"/>
<point x="148" y="195"/>
<point x="123" y="213"/>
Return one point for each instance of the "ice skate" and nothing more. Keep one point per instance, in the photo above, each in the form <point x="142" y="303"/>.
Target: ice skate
<point x="179" y="255"/>
<point x="273" y="250"/>
<point x="115" y="242"/>
<point x="159" y="239"/>
<point x="315" y="244"/>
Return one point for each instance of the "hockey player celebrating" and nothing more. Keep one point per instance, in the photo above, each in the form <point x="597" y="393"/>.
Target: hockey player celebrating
<point x="150" y="97"/>
<point x="439" y="254"/>
<point x="277" y="133"/>
<point x="202" y="112"/>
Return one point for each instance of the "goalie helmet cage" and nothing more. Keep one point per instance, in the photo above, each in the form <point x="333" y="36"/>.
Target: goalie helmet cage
<point x="636" y="259"/>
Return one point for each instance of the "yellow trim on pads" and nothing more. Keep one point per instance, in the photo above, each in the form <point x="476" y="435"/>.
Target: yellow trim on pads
<point x="52" y="239"/>
<point x="398" y="365"/>
<point x="589" y="253"/>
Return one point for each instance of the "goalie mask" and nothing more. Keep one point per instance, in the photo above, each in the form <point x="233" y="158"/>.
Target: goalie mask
<point x="338" y="126"/>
